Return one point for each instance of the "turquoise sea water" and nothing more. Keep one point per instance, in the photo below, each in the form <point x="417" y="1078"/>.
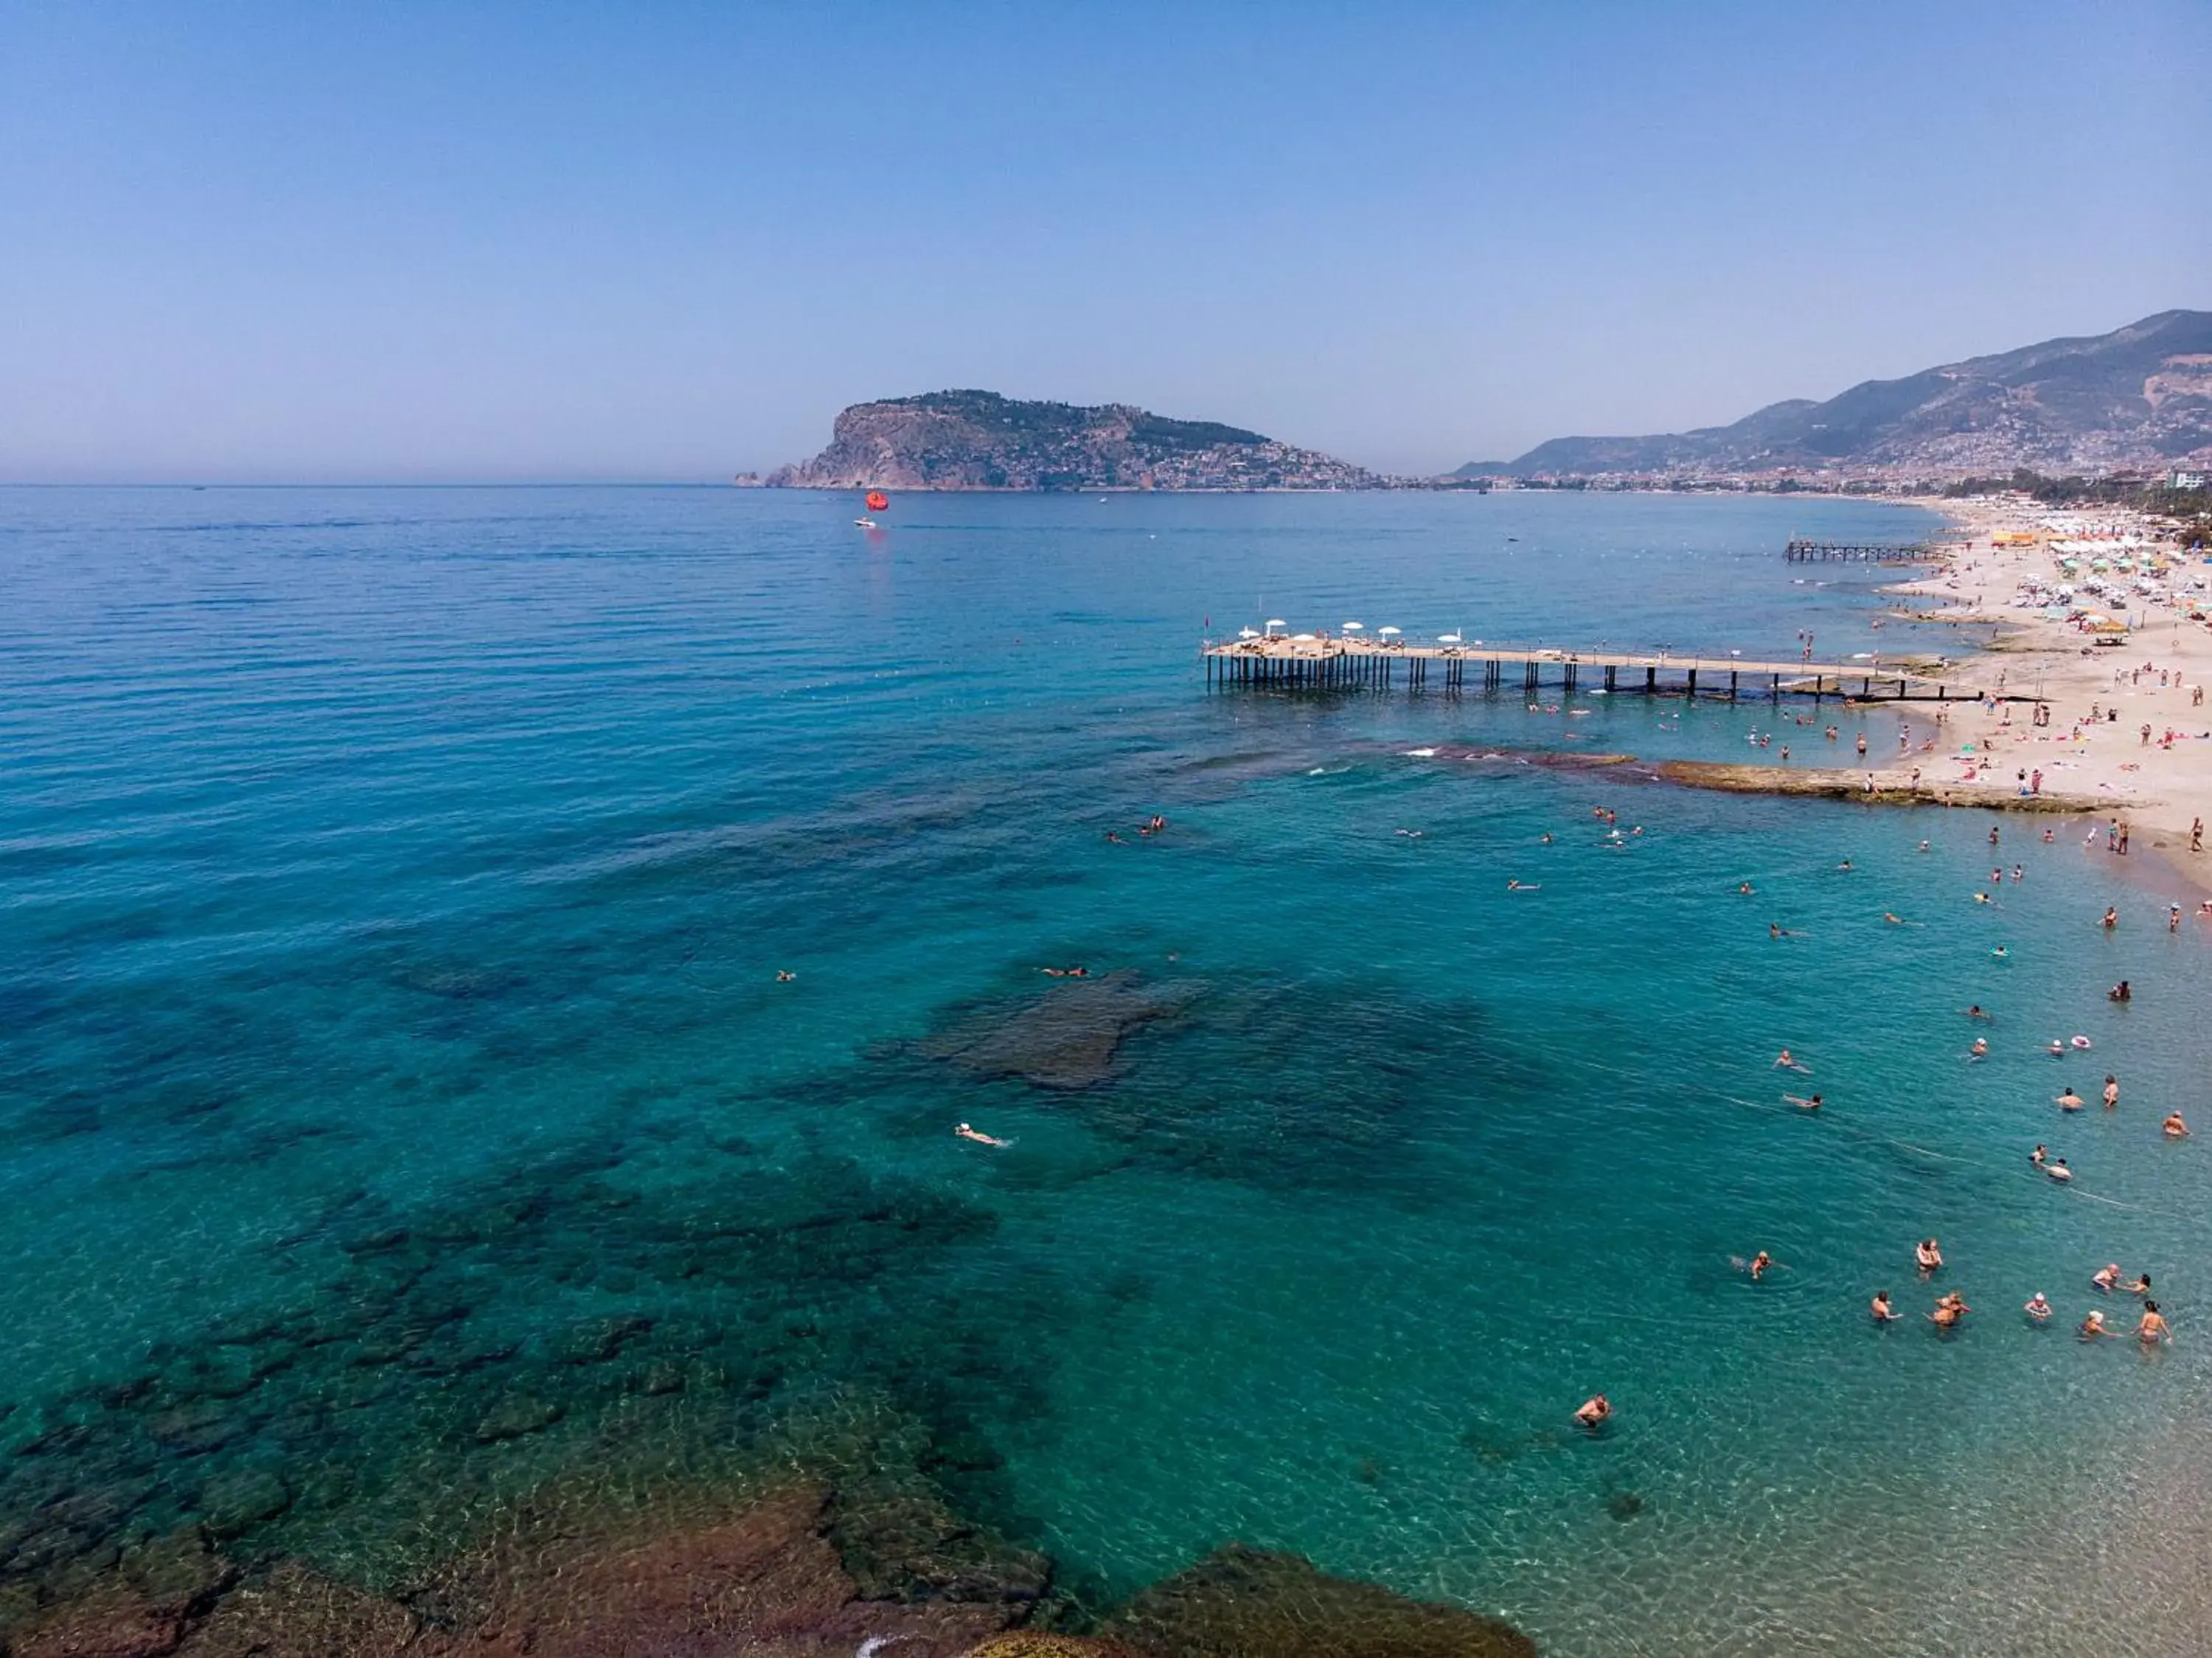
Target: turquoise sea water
<point x="394" y="884"/>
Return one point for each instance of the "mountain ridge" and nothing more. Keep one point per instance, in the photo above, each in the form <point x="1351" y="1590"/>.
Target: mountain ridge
<point x="2141" y="394"/>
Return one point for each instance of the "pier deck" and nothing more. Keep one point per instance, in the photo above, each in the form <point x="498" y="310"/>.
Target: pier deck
<point x="1346" y="664"/>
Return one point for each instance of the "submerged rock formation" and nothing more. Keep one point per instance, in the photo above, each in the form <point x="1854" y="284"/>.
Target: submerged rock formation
<point x="1241" y="1602"/>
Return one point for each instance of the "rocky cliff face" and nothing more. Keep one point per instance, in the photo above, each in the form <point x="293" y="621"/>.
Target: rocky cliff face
<point x="2140" y="395"/>
<point x="981" y="441"/>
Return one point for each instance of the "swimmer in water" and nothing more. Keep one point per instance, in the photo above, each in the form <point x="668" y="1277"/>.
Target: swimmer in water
<point x="1594" y="1411"/>
<point x="2108" y="1277"/>
<point x="1948" y="1311"/>
<point x="2111" y="919"/>
<point x="1760" y="1262"/>
<point x="1845" y="866"/>
<point x="2093" y="1326"/>
<point x="2058" y="1049"/>
<point x="1893" y="920"/>
<point x="2141" y="1286"/>
<point x="1523" y="887"/>
<point x="1744" y="887"/>
<point x="2038" y="1156"/>
<point x="2175" y="1128"/>
<point x="2001" y="954"/>
<point x="2153" y="1328"/>
<point x="784" y="975"/>
<point x="2069" y="1100"/>
<point x="2120" y="992"/>
<point x="1927" y="1255"/>
<point x="1981" y="898"/>
<point x="2037" y="1309"/>
<point x="1924" y="845"/>
<point x="1980" y="1050"/>
<point x="978" y="1135"/>
<point x="1975" y="1012"/>
<point x="1802" y="1103"/>
<point x="2057" y="1169"/>
<point x="1883" y="1312"/>
<point x="1544" y="839"/>
<point x="2111" y="1092"/>
<point x="1786" y="1061"/>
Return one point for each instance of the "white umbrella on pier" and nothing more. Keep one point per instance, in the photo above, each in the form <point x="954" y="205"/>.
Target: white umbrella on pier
<point x="1248" y="633"/>
<point x="1387" y="633"/>
<point x="1354" y="627"/>
<point x="1449" y="639"/>
<point x="1275" y="622"/>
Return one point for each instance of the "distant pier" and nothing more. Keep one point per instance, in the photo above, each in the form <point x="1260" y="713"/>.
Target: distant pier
<point x="1329" y="664"/>
<point x="1802" y="551"/>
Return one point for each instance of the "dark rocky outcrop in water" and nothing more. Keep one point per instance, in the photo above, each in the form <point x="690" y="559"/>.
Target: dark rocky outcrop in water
<point x="1241" y="1602"/>
<point x="981" y="441"/>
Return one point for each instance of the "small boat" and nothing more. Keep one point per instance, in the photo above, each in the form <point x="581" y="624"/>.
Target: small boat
<point x="864" y="523"/>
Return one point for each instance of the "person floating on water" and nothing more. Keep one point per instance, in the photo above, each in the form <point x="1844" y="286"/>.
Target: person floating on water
<point x="2175" y="1128"/>
<point x="2120" y="992"/>
<point x="1524" y="887"/>
<point x="1975" y="1011"/>
<point x="1804" y="1102"/>
<point x="978" y="1135"/>
<point x="2069" y="1100"/>
<point x="784" y="975"/>
<point x="1883" y="1312"/>
<point x="1594" y="1411"/>
<point x="1744" y="887"/>
<point x="1760" y="1262"/>
<point x="2057" y="1169"/>
<point x="1064" y="972"/>
<point x="1786" y="1061"/>
<point x="1980" y="1050"/>
<point x="2037" y="1307"/>
<point x="2038" y="1156"/>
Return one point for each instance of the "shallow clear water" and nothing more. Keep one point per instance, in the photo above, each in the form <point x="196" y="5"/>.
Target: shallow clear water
<point x="394" y="884"/>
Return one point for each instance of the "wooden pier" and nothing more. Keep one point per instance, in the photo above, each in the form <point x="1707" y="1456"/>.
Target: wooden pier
<point x="1337" y="664"/>
<point x="1803" y="551"/>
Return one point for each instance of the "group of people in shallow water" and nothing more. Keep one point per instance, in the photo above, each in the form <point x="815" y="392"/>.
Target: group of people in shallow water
<point x="1951" y="1306"/>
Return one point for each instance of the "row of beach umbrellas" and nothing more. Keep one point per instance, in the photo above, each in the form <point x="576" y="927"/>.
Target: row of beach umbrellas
<point x="1276" y="623"/>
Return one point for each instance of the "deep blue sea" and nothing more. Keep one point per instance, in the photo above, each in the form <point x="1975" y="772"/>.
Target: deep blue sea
<point x="397" y="1084"/>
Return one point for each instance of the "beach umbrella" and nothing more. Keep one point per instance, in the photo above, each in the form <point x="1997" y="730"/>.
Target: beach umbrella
<point x="1248" y="633"/>
<point x="1275" y="622"/>
<point x="1354" y="627"/>
<point x="1449" y="639"/>
<point x="1387" y="630"/>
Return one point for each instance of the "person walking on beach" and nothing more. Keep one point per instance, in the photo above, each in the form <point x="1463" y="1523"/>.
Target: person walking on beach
<point x="2173" y="917"/>
<point x="2197" y="835"/>
<point x="2123" y="840"/>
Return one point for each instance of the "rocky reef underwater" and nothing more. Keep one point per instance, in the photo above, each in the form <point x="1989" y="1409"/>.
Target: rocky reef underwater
<point x="679" y="1393"/>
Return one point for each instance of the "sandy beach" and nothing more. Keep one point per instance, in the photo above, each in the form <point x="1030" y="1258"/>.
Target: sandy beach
<point x="2128" y="725"/>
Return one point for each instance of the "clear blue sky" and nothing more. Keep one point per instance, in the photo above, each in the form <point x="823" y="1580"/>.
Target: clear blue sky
<point x="394" y="240"/>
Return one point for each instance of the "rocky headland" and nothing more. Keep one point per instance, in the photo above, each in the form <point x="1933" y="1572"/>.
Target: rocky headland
<point x="967" y="440"/>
